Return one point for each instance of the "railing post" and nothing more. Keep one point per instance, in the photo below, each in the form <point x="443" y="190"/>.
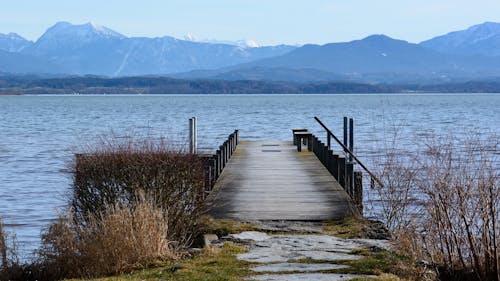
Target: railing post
<point x="328" y="140"/>
<point x="213" y="166"/>
<point x="345" y="133"/>
<point x="330" y="162"/>
<point x="335" y="166"/>
<point x="351" y="138"/>
<point x="222" y="156"/>
<point x="358" y="190"/>
<point x="342" y="171"/>
<point x="349" y="179"/>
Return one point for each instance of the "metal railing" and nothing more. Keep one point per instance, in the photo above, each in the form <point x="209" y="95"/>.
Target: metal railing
<point x="347" y="150"/>
<point x="215" y="163"/>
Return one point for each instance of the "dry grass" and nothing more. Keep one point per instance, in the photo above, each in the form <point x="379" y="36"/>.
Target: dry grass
<point x="209" y="265"/>
<point x="119" y="239"/>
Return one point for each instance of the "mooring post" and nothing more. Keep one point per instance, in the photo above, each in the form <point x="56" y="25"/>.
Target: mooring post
<point x="192" y="136"/>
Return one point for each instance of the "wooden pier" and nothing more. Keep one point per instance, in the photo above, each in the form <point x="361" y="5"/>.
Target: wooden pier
<point x="273" y="181"/>
<point x="303" y="179"/>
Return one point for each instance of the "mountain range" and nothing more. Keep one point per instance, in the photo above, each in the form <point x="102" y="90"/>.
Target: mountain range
<point x="68" y="49"/>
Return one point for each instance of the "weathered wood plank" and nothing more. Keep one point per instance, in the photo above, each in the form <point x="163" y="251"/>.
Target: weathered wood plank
<point x="272" y="181"/>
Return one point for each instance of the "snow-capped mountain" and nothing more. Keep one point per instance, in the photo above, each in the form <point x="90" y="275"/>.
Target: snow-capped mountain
<point x="481" y="39"/>
<point x="93" y="49"/>
<point x="12" y="42"/>
<point x="240" y="43"/>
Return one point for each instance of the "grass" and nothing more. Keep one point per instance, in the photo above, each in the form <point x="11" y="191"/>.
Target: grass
<point x="382" y="277"/>
<point x="223" y="227"/>
<point x="210" y="265"/>
<point x="347" y="228"/>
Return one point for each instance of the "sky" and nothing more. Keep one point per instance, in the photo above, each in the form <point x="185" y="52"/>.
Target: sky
<point x="268" y="22"/>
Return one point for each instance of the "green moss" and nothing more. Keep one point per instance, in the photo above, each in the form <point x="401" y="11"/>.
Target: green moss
<point x="374" y="263"/>
<point x="347" y="228"/>
<point x="223" y="227"/>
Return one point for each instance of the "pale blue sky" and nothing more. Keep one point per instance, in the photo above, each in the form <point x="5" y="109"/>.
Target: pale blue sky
<point x="264" y="21"/>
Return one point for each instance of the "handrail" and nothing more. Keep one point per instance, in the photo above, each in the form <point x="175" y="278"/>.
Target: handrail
<point x="346" y="149"/>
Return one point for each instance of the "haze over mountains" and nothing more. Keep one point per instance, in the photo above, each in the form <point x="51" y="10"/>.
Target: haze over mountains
<point x="67" y="49"/>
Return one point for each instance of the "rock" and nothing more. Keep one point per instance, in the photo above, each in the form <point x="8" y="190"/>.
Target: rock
<point x="298" y="267"/>
<point x="209" y="238"/>
<point x="306" y="276"/>
<point x="376" y="230"/>
<point x="282" y="248"/>
<point x="250" y="235"/>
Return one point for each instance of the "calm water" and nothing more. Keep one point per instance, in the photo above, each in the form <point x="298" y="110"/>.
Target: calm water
<point x="39" y="134"/>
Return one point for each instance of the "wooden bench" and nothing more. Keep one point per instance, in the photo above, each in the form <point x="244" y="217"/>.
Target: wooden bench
<point x="297" y="130"/>
<point x="302" y="137"/>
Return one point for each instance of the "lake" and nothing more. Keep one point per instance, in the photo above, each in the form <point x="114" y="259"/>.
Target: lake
<point x="39" y="134"/>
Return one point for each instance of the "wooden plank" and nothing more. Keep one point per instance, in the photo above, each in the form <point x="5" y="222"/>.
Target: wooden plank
<point x="282" y="184"/>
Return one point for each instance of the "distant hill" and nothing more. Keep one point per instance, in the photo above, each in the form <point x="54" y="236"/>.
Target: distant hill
<point x="265" y="74"/>
<point x="375" y="59"/>
<point x="20" y="63"/>
<point x="482" y="39"/>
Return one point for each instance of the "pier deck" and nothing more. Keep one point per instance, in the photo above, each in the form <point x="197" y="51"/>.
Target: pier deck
<point x="272" y="181"/>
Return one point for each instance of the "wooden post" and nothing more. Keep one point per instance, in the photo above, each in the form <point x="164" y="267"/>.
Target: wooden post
<point x="345" y="133"/>
<point x="330" y="162"/>
<point x="358" y="190"/>
<point x="230" y="143"/>
<point x="218" y="158"/>
<point x="351" y="137"/>
<point x="222" y="156"/>
<point x="335" y="166"/>
<point x="226" y="148"/>
<point x="191" y="135"/>
<point x="349" y="178"/>
<point x="342" y="171"/>
<point x="328" y="140"/>
<point x="236" y="133"/>
<point x="213" y="167"/>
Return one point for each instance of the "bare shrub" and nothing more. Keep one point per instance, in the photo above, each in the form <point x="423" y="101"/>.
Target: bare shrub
<point x="117" y="240"/>
<point x="112" y="174"/>
<point x="462" y="188"/>
<point x="457" y="186"/>
<point x="396" y="197"/>
<point x="3" y="245"/>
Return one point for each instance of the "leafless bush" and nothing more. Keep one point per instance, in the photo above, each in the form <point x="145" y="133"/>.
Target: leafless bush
<point x="112" y="174"/>
<point x="396" y="196"/>
<point x="116" y="240"/>
<point x="458" y="187"/>
<point x="10" y="265"/>
<point x="3" y="245"/>
<point x="461" y="231"/>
